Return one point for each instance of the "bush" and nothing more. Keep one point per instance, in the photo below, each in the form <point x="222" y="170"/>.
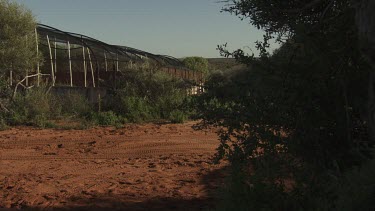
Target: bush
<point x="304" y="118"/>
<point x="75" y="104"/>
<point x="146" y="96"/>
<point x="357" y="189"/>
<point x="177" y="116"/>
<point x="242" y="194"/>
<point x="300" y="113"/>
<point x="198" y="64"/>
<point x="37" y="106"/>
<point x="133" y="108"/>
<point x="3" y="124"/>
<point x="141" y="96"/>
<point x="168" y="103"/>
<point x="108" y="119"/>
<point x="33" y="107"/>
<point x="40" y="120"/>
<point x="5" y="91"/>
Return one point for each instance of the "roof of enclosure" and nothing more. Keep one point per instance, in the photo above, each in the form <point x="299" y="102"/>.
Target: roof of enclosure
<point x="98" y="48"/>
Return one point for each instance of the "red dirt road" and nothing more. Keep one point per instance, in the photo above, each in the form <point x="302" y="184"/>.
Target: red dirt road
<point x="138" y="167"/>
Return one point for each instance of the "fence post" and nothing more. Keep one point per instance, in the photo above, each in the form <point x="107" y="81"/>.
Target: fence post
<point x="117" y="62"/>
<point x="37" y="55"/>
<point x="11" y="78"/>
<point x="70" y="65"/>
<point x="27" y="70"/>
<point x="105" y="59"/>
<point x="55" y="56"/>
<point x="84" y="65"/>
<point x="51" y="58"/>
<point x="92" y="69"/>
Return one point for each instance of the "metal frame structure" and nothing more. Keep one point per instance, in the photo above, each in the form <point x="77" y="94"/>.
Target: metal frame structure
<point x="97" y="60"/>
<point x="123" y="52"/>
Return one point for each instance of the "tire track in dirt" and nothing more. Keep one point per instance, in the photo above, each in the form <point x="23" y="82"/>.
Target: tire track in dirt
<point x="139" y="154"/>
<point x="47" y="169"/>
<point x="124" y="151"/>
<point x="122" y="142"/>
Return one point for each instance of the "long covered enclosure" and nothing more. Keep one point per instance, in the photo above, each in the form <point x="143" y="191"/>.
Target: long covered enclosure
<point x="76" y="60"/>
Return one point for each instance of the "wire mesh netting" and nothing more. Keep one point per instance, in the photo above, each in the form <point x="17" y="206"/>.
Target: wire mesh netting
<point x="78" y="60"/>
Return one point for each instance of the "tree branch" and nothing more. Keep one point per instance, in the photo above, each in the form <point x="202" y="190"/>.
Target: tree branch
<point x="2" y="107"/>
<point x="20" y="83"/>
<point x="310" y="5"/>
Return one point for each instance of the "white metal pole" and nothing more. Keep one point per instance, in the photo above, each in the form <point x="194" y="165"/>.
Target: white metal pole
<point x="92" y="69"/>
<point x="84" y="66"/>
<point x="106" y="64"/>
<point x="51" y="58"/>
<point x="70" y="66"/>
<point x="55" y="56"/>
<point x="37" y="55"/>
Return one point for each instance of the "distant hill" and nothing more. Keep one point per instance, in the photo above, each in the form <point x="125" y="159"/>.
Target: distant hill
<point x="224" y="64"/>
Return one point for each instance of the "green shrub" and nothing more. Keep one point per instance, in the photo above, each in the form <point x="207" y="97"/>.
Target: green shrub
<point x="177" y="116"/>
<point x="137" y="109"/>
<point x="5" y="91"/>
<point x="3" y="124"/>
<point x="140" y="96"/>
<point x="75" y="104"/>
<point x="133" y="108"/>
<point x="146" y="96"/>
<point x="40" y="120"/>
<point x="169" y="102"/>
<point x="244" y="194"/>
<point x="37" y="106"/>
<point x="56" y="107"/>
<point x="198" y="64"/>
<point x="32" y="107"/>
<point x="107" y="119"/>
<point x="357" y="189"/>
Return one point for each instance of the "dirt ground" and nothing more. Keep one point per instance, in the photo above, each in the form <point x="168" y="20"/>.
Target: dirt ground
<point x="138" y="167"/>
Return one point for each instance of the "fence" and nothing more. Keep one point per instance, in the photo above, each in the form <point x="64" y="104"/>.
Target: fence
<point x="77" y="60"/>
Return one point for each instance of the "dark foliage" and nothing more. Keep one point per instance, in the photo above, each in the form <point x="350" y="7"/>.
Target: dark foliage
<point x="293" y="122"/>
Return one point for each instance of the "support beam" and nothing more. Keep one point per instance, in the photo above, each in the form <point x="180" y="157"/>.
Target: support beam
<point x="116" y="62"/>
<point x="92" y="68"/>
<point x="55" y="56"/>
<point x="37" y="55"/>
<point x="11" y="78"/>
<point x="84" y="66"/>
<point x="105" y="60"/>
<point x="27" y="69"/>
<point x="70" y="66"/>
<point x="51" y="58"/>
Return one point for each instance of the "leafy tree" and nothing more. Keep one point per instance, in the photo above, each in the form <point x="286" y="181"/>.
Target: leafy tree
<point x="17" y="38"/>
<point x="296" y="116"/>
<point x="366" y="23"/>
<point x="198" y="64"/>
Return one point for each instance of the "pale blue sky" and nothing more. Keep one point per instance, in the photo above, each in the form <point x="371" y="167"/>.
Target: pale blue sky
<point x="177" y="28"/>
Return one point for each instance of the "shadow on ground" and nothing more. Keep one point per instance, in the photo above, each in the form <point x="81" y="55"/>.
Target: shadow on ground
<point x="212" y="183"/>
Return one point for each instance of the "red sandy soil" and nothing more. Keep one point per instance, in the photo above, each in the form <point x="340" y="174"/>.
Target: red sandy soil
<point x="138" y="167"/>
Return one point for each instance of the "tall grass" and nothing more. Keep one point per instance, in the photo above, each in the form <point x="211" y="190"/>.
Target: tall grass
<point x="33" y="108"/>
<point x="146" y="96"/>
<point x="140" y="96"/>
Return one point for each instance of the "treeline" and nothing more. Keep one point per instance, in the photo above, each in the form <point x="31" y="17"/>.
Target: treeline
<point x="295" y="123"/>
